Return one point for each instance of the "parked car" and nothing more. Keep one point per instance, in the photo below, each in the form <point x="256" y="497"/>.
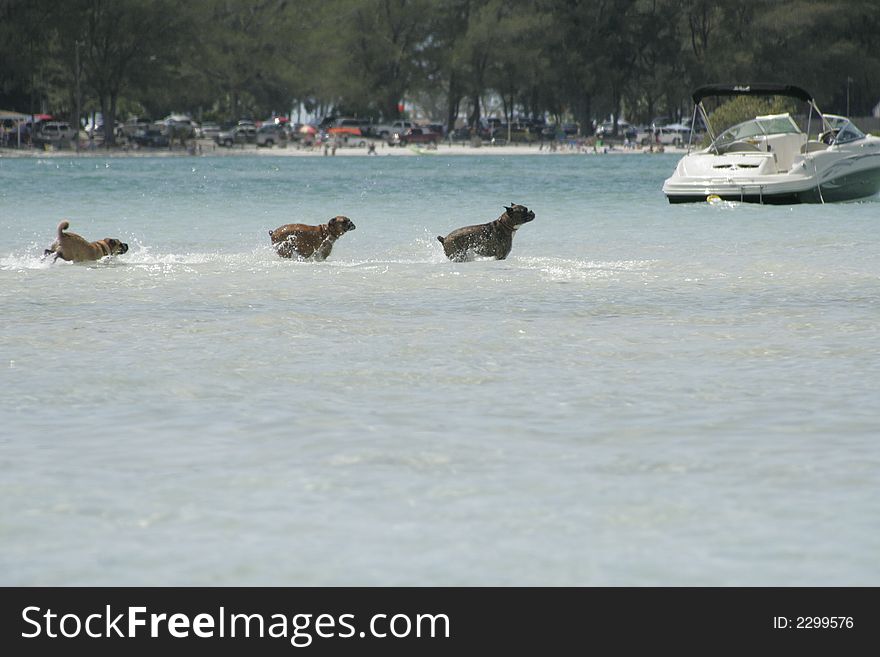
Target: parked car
<point x="240" y="134"/>
<point x="518" y="132"/>
<point x="95" y="130"/>
<point x="366" y="128"/>
<point x="348" y="131"/>
<point x="535" y="126"/>
<point x="345" y="126"/>
<point x="550" y="131"/>
<point x="270" y="134"/>
<point x="135" y="126"/>
<point x="54" y="132"/>
<point x="386" y="130"/>
<point x="209" y="130"/>
<point x="667" y="135"/>
<point x="437" y="128"/>
<point x="659" y="121"/>
<point x="624" y="129"/>
<point x="151" y="138"/>
<point x="180" y="126"/>
<point x="415" y="136"/>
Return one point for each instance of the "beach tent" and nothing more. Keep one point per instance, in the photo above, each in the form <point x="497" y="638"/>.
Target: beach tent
<point x="13" y="116"/>
<point x="18" y="117"/>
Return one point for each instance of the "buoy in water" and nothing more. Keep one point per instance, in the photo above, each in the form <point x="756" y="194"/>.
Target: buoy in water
<point x="713" y="198"/>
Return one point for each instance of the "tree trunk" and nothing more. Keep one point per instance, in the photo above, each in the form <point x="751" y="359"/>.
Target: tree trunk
<point x="583" y="114"/>
<point x="104" y="113"/>
<point x="109" y="115"/>
<point x="453" y="101"/>
<point x="474" y="119"/>
<point x="392" y="109"/>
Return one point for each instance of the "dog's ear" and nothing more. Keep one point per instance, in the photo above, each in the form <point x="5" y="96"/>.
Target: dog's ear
<point x="508" y="208"/>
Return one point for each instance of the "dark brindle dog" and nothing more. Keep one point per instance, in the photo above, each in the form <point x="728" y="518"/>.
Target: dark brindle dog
<point x="73" y="247"/>
<point x="304" y="242"/>
<point x="491" y="240"/>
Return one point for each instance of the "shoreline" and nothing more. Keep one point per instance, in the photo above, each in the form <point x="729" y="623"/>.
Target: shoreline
<point x="207" y="148"/>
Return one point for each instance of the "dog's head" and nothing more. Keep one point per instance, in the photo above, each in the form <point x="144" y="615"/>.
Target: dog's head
<point x="115" y="246"/>
<point x="340" y="225"/>
<point x="518" y="214"/>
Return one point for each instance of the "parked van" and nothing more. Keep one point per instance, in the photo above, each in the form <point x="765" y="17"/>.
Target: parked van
<point x="270" y="134"/>
<point x="54" y="132"/>
<point x="668" y="135"/>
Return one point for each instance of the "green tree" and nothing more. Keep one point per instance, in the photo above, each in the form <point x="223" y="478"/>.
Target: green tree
<point x="519" y="54"/>
<point x="830" y="48"/>
<point x="129" y="45"/>
<point x="247" y="54"/>
<point x="26" y="29"/>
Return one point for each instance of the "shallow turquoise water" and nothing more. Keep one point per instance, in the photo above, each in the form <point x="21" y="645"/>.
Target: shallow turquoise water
<point x="642" y="394"/>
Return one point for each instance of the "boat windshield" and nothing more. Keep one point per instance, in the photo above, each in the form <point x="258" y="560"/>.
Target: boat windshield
<point x="842" y="129"/>
<point x="774" y="124"/>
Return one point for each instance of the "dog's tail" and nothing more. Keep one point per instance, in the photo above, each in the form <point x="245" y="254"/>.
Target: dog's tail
<point x="64" y="225"/>
<point x="441" y="239"/>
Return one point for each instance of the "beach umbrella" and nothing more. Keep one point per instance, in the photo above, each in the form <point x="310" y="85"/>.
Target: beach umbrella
<point x="308" y="129"/>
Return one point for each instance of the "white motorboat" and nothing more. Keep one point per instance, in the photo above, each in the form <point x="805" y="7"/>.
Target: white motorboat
<point x="769" y="159"/>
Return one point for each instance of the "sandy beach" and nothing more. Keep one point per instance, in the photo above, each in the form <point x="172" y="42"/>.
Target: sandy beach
<point x="207" y="148"/>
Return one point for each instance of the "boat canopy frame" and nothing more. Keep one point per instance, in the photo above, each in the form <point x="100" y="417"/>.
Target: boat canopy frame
<point x="712" y="90"/>
<point x="751" y="90"/>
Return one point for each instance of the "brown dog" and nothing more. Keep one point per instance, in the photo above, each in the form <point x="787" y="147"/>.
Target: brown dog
<point x="304" y="242"/>
<point x="494" y="239"/>
<point x="73" y="247"/>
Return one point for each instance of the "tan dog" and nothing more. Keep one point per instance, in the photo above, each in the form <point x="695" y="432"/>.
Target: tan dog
<point x="494" y="239"/>
<point x="73" y="247"/>
<point x="304" y="242"/>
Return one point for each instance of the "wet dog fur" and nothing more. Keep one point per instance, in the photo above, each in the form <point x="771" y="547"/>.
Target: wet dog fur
<point x="75" y="248"/>
<point x="490" y="240"/>
<point x="305" y="242"/>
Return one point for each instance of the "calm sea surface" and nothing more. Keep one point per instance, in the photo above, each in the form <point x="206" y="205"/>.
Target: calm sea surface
<point x="641" y="394"/>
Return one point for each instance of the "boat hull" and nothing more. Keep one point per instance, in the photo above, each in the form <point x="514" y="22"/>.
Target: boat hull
<point x="850" y="187"/>
<point x="844" y="178"/>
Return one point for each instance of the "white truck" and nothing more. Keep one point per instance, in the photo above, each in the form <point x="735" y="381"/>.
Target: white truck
<point x="388" y="130"/>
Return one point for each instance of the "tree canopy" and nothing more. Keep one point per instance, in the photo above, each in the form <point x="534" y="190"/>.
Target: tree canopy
<point x="580" y="60"/>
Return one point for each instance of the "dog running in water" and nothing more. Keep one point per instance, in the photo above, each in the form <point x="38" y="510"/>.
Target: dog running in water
<point x="75" y="248"/>
<point x="491" y="240"/>
<point x="309" y="242"/>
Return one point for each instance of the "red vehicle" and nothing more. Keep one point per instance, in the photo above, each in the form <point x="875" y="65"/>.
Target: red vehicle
<point x="416" y="136"/>
<point x="350" y="127"/>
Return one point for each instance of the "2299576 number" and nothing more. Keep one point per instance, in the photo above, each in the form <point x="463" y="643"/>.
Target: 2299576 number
<point x="824" y="622"/>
